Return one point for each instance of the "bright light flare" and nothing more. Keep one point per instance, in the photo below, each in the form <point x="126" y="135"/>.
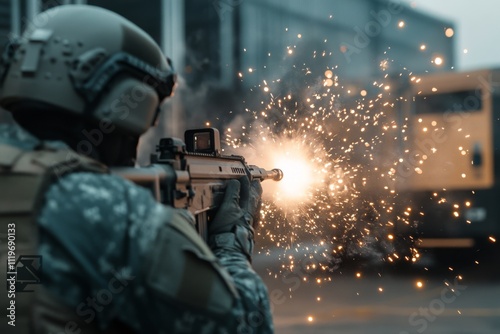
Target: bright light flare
<point x="302" y="161"/>
<point x="298" y="175"/>
<point x="302" y="173"/>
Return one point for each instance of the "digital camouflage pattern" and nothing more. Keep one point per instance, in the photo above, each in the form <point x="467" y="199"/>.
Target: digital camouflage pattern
<point x="96" y="233"/>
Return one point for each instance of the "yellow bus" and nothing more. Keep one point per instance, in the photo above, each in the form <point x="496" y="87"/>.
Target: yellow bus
<point x="450" y="158"/>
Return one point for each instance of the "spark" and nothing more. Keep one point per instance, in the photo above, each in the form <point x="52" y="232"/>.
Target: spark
<point x="330" y="155"/>
<point x="384" y="65"/>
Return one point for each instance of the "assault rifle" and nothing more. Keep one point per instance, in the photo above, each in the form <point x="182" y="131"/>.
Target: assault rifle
<point x="193" y="174"/>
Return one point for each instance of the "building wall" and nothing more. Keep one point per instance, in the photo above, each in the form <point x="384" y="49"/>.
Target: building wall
<point x="224" y="37"/>
<point x="356" y="35"/>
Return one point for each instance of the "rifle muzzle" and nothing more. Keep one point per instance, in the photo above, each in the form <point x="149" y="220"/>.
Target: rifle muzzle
<point x="275" y="174"/>
<point x="262" y="174"/>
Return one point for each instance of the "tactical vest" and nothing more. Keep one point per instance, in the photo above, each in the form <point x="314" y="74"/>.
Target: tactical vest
<point x="25" y="176"/>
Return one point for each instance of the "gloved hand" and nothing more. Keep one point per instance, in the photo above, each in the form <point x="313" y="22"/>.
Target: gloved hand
<point x="238" y="214"/>
<point x="240" y="206"/>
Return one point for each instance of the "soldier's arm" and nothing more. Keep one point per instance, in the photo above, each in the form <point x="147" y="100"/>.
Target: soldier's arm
<point x="102" y="236"/>
<point x="231" y="237"/>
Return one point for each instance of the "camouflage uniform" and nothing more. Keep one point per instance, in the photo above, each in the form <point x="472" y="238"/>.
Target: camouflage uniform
<point x="96" y="233"/>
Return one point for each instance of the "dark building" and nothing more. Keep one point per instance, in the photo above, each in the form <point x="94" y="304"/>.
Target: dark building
<point x="232" y="45"/>
<point x="224" y="37"/>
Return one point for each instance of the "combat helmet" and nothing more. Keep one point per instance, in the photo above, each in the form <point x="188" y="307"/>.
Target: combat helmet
<point x="89" y="62"/>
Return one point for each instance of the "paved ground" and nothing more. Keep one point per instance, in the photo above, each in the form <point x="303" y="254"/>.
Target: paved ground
<point x="386" y="299"/>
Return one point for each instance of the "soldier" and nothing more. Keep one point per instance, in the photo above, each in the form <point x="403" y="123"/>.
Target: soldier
<point x="83" y="85"/>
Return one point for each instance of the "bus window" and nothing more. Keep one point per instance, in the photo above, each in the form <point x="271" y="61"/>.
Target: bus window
<point x="459" y="101"/>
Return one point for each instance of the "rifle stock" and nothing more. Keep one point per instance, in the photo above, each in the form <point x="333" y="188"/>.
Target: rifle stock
<point x="193" y="176"/>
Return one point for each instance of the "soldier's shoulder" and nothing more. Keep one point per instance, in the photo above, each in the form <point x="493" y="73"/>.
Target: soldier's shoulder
<point x="96" y="187"/>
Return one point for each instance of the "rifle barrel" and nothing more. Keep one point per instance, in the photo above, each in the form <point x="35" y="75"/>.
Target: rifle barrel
<point x="262" y="174"/>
